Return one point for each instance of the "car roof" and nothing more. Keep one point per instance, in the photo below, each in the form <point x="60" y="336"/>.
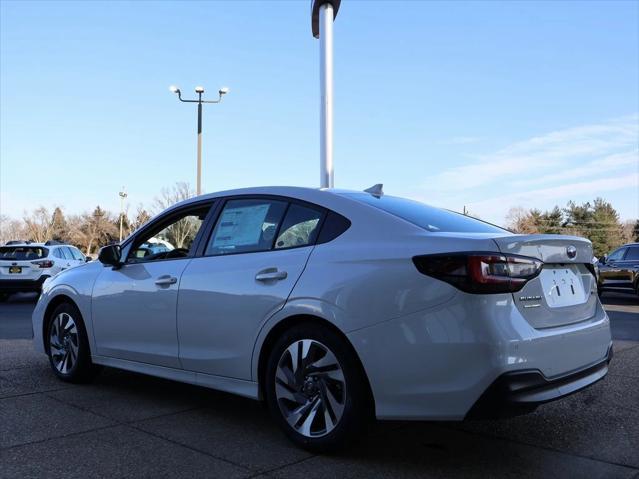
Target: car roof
<point x="321" y="196"/>
<point x="38" y="245"/>
<point x="18" y="245"/>
<point x="293" y="191"/>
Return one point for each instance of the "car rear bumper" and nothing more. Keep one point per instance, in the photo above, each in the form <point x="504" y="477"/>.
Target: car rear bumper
<point x="520" y="392"/>
<point x="22" y="285"/>
<point x="438" y="363"/>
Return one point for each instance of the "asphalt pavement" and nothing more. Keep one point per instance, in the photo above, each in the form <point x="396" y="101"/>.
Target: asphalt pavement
<point x="129" y="425"/>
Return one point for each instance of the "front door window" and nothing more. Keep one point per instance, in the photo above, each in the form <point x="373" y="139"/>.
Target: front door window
<point x="172" y="239"/>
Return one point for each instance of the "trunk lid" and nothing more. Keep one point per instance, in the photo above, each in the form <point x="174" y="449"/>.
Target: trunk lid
<point x="565" y="291"/>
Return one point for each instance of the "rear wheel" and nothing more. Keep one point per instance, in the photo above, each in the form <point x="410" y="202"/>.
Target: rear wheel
<point x="68" y="346"/>
<point x="316" y="389"/>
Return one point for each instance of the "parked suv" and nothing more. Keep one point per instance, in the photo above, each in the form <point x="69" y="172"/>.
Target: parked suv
<point x="620" y="269"/>
<point x="25" y="266"/>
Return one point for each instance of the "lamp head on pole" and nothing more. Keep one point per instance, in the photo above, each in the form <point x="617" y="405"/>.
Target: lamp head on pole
<point x="224" y="90"/>
<point x="174" y="89"/>
<point x="199" y="89"/>
<point x="315" y="9"/>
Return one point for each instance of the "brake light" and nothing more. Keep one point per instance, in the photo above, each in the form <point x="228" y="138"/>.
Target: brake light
<point x="43" y="263"/>
<point x="480" y="272"/>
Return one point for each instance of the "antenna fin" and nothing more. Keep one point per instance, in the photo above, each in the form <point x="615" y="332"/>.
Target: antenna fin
<point x="376" y="190"/>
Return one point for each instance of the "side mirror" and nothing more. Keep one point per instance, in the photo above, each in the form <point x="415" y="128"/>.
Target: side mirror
<point x="604" y="259"/>
<point x="87" y="259"/>
<point x="110" y="255"/>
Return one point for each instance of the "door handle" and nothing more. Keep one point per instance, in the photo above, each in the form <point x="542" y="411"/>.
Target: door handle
<point x="166" y="280"/>
<point x="270" y="274"/>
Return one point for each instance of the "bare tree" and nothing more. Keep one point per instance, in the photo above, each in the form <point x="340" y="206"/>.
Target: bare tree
<point x="10" y="229"/>
<point x="181" y="231"/>
<point x="180" y="191"/>
<point x="39" y="225"/>
<point x="628" y="230"/>
<point x="142" y="216"/>
<point x="94" y="229"/>
<point x="521" y="220"/>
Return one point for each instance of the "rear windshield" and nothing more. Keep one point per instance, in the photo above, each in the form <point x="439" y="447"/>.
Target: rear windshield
<point x="23" y="252"/>
<point x="427" y="217"/>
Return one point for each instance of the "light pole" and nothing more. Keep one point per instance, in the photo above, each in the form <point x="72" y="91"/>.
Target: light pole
<point x="123" y="195"/>
<point x="199" y="90"/>
<point x="323" y="13"/>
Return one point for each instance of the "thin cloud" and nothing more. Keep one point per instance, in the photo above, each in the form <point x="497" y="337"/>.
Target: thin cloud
<point x="557" y="152"/>
<point x="569" y="190"/>
<point x="577" y="163"/>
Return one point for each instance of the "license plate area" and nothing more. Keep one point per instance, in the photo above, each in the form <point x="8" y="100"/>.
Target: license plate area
<point x="562" y="285"/>
<point x="15" y="269"/>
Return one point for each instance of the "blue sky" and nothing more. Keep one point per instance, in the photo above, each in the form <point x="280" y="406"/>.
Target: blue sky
<point x="485" y="104"/>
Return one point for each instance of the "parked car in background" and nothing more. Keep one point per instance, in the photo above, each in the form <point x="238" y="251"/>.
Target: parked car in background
<point x="24" y="266"/>
<point x="334" y="307"/>
<point x="620" y="269"/>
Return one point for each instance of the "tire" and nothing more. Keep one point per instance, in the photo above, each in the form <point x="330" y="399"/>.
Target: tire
<point x="298" y="402"/>
<point x="4" y="297"/>
<point x="67" y="345"/>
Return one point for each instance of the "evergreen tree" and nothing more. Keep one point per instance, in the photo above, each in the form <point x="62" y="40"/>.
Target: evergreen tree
<point x="59" y="228"/>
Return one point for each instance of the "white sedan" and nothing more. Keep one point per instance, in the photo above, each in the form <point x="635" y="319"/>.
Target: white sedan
<point x="335" y="307"/>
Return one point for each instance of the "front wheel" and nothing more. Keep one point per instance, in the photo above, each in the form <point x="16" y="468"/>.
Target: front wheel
<point x="68" y="346"/>
<point x="316" y="389"/>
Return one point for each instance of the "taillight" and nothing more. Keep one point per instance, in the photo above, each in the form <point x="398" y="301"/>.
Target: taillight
<point x="43" y="263"/>
<point x="480" y="272"/>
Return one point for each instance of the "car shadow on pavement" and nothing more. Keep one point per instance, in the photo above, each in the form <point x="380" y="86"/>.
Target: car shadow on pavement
<point x="561" y="439"/>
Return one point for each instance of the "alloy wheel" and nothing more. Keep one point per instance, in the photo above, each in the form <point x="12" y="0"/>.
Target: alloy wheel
<point x="64" y="342"/>
<point x="310" y="388"/>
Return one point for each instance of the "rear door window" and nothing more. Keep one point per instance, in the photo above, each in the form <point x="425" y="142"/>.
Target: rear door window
<point x="299" y="228"/>
<point x="427" y="217"/>
<point x="245" y="226"/>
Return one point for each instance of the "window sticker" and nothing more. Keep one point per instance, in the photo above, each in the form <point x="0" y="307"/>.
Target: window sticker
<point x="241" y="226"/>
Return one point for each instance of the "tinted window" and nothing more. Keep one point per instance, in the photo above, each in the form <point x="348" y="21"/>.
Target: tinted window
<point x="67" y="253"/>
<point x="22" y="252"/>
<point x="632" y="254"/>
<point x="334" y="225"/>
<point x="617" y="255"/>
<point x="299" y="227"/>
<point x="58" y="253"/>
<point x="427" y="217"/>
<point x="245" y="226"/>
